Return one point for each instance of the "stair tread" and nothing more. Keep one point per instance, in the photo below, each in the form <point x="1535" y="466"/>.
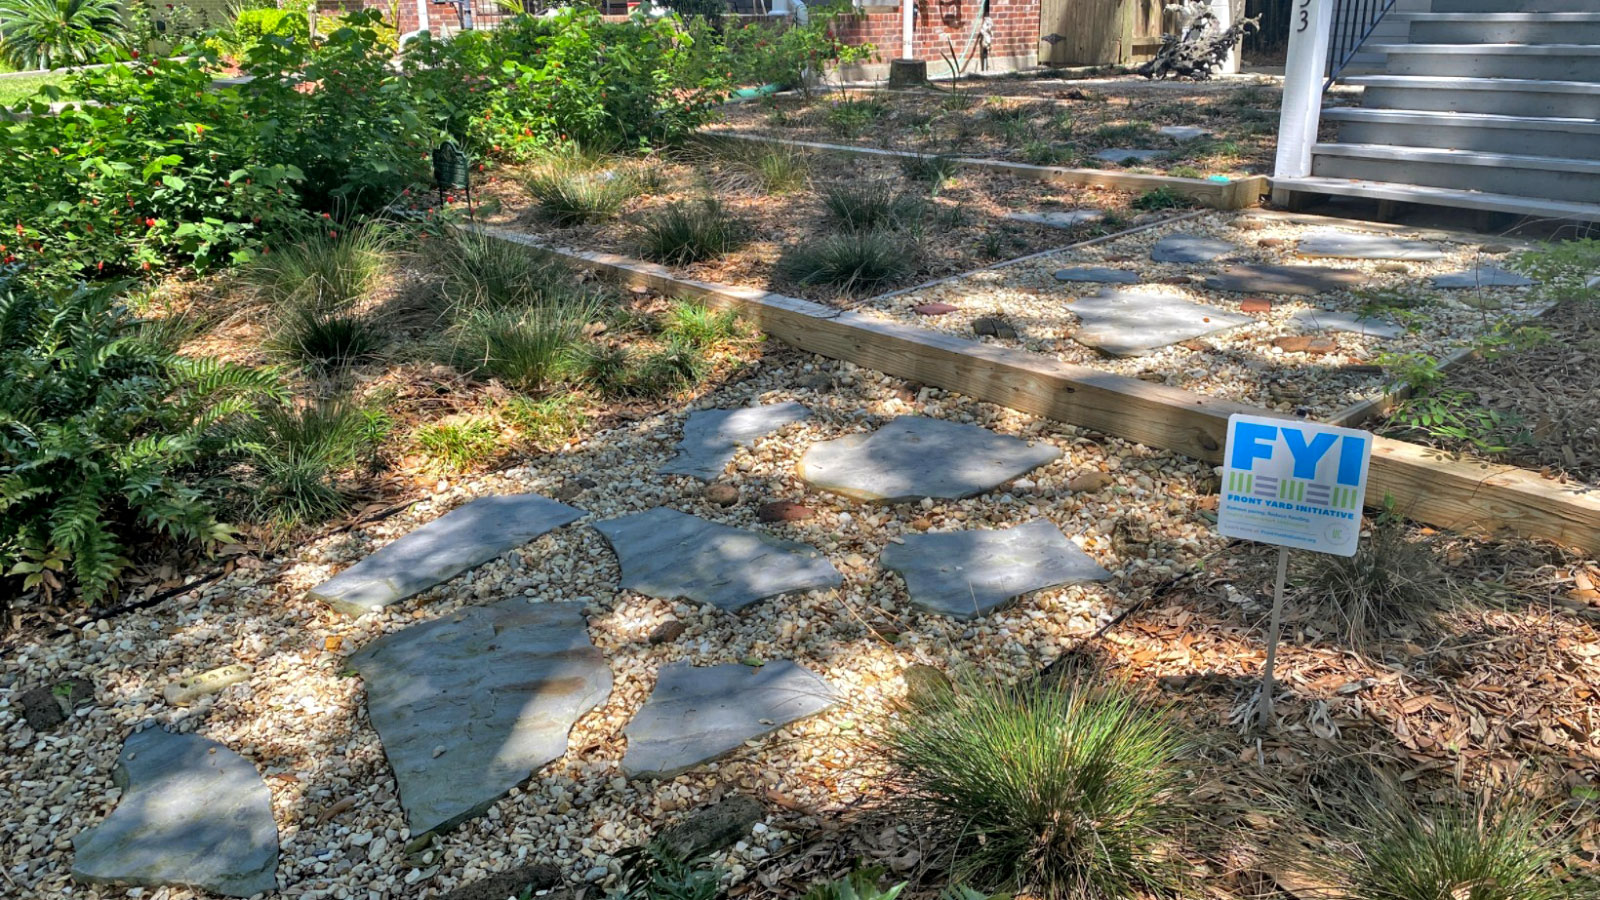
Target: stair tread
<point x="1451" y="82"/>
<point x="1491" y="49"/>
<point x="1501" y="16"/>
<point x="1472" y="120"/>
<point x="1410" y="193"/>
<point x="1459" y="157"/>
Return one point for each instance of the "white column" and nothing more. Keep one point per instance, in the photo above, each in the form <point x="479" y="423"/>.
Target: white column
<point x="908" y="16"/>
<point x="1307" y="66"/>
<point x="1223" y="10"/>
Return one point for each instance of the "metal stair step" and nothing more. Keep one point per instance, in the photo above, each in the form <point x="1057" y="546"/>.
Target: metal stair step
<point x="1565" y="62"/>
<point x="1444" y="6"/>
<point x="1494" y="96"/>
<point x="1517" y="135"/>
<point x="1429" y="196"/>
<point x="1548" y="177"/>
<point x="1505" y="28"/>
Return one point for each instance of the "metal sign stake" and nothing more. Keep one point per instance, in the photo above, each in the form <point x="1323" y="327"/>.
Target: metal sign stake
<point x="1264" y="708"/>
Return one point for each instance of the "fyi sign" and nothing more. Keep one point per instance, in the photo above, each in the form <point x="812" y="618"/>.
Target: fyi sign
<point x="1294" y="484"/>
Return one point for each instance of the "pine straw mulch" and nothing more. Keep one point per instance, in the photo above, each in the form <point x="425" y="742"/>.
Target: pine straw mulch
<point x="1552" y="390"/>
<point x="1503" y="686"/>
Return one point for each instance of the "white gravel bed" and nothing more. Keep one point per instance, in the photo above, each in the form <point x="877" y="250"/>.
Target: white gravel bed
<point x="1240" y="364"/>
<point x="301" y="718"/>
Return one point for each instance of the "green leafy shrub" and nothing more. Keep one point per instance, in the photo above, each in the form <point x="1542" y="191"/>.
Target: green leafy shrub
<point x="868" y="205"/>
<point x="853" y="262"/>
<point x="101" y="436"/>
<point x="574" y="191"/>
<point x="51" y="34"/>
<point x="298" y="456"/>
<point x="253" y="26"/>
<point x="655" y="872"/>
<point x="783" y="53"/>
<point x="1060" y="790"/>
<point x="684" y="233"/>
<point x="460" y="445"/>
<point x="1564" y="270"/>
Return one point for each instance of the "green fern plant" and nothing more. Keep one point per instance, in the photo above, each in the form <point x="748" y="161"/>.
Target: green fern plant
<point x="103" y="437"/>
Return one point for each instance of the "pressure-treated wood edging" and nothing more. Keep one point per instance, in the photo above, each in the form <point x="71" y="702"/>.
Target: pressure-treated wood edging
<point x="1425" y="484"/>
<point x="1238" y="194"/>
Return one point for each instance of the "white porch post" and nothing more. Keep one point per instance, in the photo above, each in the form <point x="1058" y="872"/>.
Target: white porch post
<point x="908" y="16"/>
<point x="1304" y="72"/>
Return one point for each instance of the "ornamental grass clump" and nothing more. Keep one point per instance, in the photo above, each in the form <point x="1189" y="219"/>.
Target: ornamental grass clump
<point x="480" y="272"/>
<point x="323" y="270"/>
<point x="572" y="190"/>
<point x="1392" y="583"/>
<point x="864" y="206"/>
<point x="528" y="349"/>
<point x="684" y="233"/>
<point x="853" y="262"/>
<point x="1057" y="790"/>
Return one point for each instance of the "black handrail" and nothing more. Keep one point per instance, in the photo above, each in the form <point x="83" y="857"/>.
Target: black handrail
<point x="1353" y="22"/>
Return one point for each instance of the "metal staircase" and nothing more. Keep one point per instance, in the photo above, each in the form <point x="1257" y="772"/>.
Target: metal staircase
<point x="1490" y="105"/>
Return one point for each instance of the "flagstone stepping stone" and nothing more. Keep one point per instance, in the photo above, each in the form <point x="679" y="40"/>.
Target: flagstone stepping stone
<point x="1329" y="320"/>
<point x="1339" y="245"/>
<point x="668" y="554"/>
<point x="1129" y="156"/>
<point x="459" y="540"/>
<point x="193" y="813"/>
<point x="1071" y="218"/>
<point x="1299" y="280"/>
<point x="913" y="457"/>
<point x="1128" y="323"/>
<point x="1484" y="275"/>
<point x="698" y="713"/>
<point x="1189" y="248"/>
<point x="1183" y="132"/>
<point x="963" y="574"/>
<point x="470" y="704"/>
<point x="712" y="436"/>
<point x="1098" y="275"/>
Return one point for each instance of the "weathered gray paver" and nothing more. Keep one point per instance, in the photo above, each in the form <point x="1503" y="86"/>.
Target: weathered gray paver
<point x="913" y="457"/>
<point x="1064" y="218"/>
<point x="193" y="813"/>
<point x="1330" y="320"/>
<point x="1183" y="132"/>
<point x="670" y="554"/>
<point x="1190" y="248"/>
<point x="465" y="537"/>
<point x="1129" y="156"/>
<point x="696" y="714"/>
<point x="1128" y="323"/>
<point x="1299" y="280"/>
<point x="712" y="436"/>
<point x="1482" y="275"/>
<point x="1097" y="275"/>
<point x="968" y="573"/>
<point x="472" y="703"/>
<point x="1340" y="245"/>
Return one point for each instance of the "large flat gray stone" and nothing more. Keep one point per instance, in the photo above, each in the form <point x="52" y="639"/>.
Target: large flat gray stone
<point x="670" y="554"/>
<point x="1129" y="156"/>
<point x="712" y="436"/>
<point x="1128" y="323"/>
<point x="1097" y="275"/>
<point x="1482" y="275"/>
<point x="465" y="537"/>
<point x="1330" y="320"/>
<point x="968" y="573"/>
<point x="1183" y="132"/>
<point x="1341" y="245"/>
<point x="193" y="813"/>
<point x="696" y="714"/>
<point x="1065" y="218"/>
<point x="1300" y="280"/>
<point x="472" y="703"/>
<point x="1190" y="248"/>
<point x="914" y="457"/>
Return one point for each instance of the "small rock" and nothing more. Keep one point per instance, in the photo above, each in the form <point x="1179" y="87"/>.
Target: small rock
<point x="1496" y="248"/>
<point x="921" y="524"/>
<point x="816" y="382"/>
<point x="783" y="511"/>
<point x="1301" y="343"/>
<point x="1196" y="345"/>
<point x="185" y="691"/>
<point x="1177" y="279"/>
<point x="1245" y="223"/>
<point x="666" y="632"/>
<point x="1272" y="242"/>
<point x="994" y="326"/>
<point x="1256" y="305"/>
<point x="722" y="494"/>
<point x="49" y="705"/>
<point x="1394" y="268"/>
<point x="512" y="883"/>
<point x="934" y="309"/>
<point x="1089" y="482"/>
<point x="926" y="684"/>
<point x="713" y="828"/>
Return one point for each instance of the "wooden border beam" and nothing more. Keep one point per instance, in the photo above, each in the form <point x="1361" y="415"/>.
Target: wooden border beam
<point x="1426" y="484"/>
<point x="1237" y="194"/>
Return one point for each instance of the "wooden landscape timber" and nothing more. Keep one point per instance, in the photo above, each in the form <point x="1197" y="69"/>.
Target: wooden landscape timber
<point x="1241" y="193"/>
<point x="1426" y="484"/>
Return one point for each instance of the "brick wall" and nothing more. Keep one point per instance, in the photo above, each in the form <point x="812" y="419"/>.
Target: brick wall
<point x="943" y="23"/>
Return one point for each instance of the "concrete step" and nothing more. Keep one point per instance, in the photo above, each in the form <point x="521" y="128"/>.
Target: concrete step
<point x="1564" y="62"/>
<point x="1492" y="96"/>
<point x="1505" y="28"/>
<point x="1493" y="6"/>
<point x="1427" y="196"/>
<point x="1520" y="135"/>
<point x="1546" y="177"/>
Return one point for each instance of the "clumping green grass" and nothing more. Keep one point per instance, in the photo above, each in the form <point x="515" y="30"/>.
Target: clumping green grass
<point x="1131" y="132"/>
<point x="545" y="420"/>
<point x="866" y="205"/>
<point x="479" y="272"/>
<point x="1162" y="198"/>
<point x="933" y="169"/>
<point x="849" y="118"/>
<point x="701" y="325"/>
<point x="603" y="366"/>
<point x="770" y="169"/>
<point x="1045" y="153"/>
<point x="325" y="270"/>
<point x="852" y="261"/>
<point x="1493" y="847"/>
<point x="663" y="372"/>
<point x="1392" y="582"/>
<point x="298" y="456"/>
<point x="528" y="349"/>
<point x="457" y="446"/>
<point x="684" y="233"/>
<point x="325" y="340"/>
<point x="1062" y="791"/>
<point x="575" y="191"/>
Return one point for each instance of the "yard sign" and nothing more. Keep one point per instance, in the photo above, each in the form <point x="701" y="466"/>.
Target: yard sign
<point x="1295" y="484"/>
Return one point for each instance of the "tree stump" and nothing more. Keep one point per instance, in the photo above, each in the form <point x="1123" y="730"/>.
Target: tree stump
<point x="907" y="73"/>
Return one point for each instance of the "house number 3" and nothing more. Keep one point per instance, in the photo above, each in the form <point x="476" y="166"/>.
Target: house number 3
<point x="1305" y="15"/>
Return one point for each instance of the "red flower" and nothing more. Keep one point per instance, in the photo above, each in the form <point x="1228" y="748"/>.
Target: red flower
<point x="149" y="223"/>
